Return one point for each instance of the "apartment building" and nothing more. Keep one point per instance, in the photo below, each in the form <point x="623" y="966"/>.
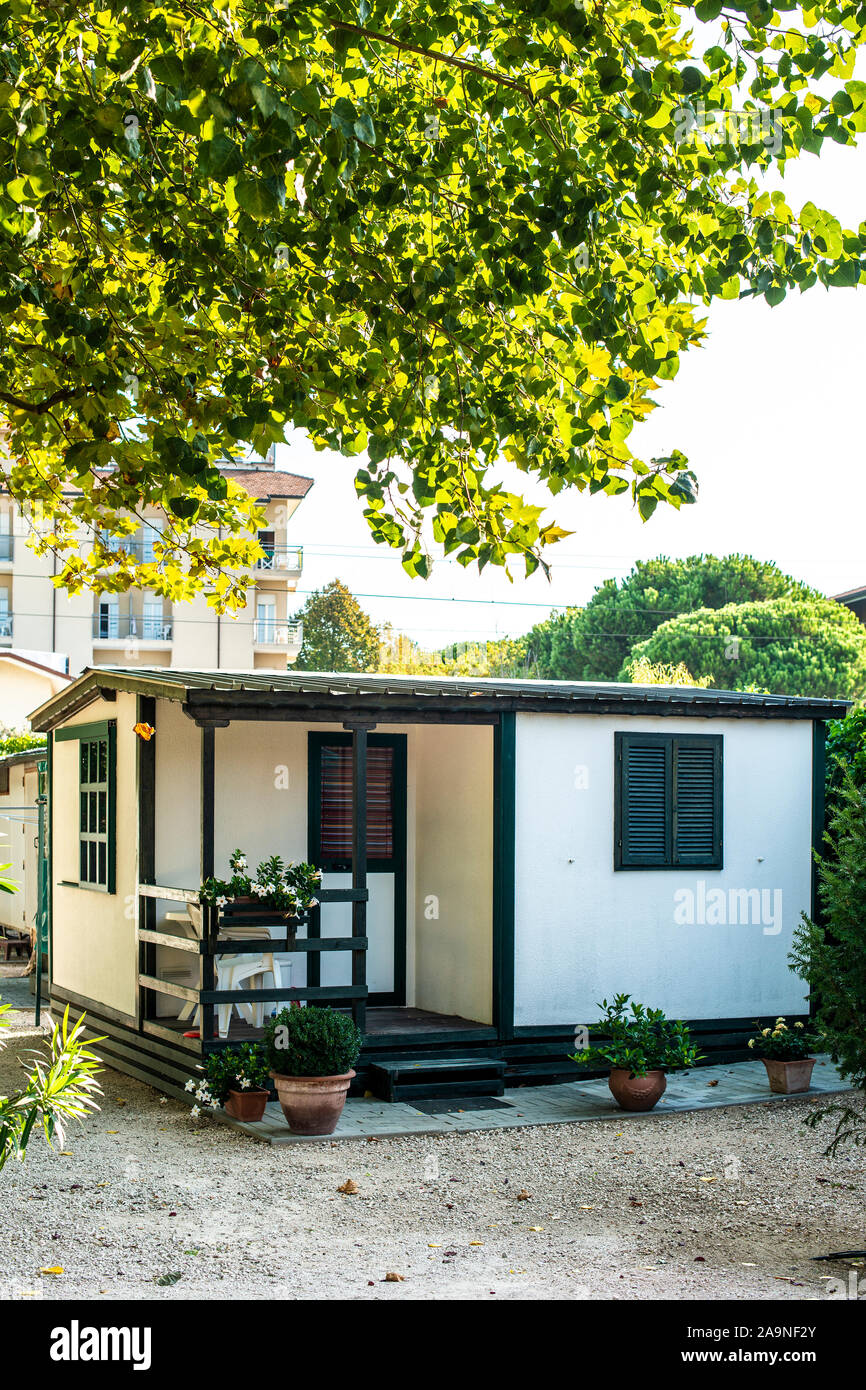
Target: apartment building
<point x="141" y="628"/>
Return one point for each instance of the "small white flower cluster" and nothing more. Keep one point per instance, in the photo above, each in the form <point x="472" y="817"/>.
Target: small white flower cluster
<point x="202" y="1095"/>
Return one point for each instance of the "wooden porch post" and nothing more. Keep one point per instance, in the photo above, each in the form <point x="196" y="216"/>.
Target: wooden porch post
<point x="146" y="714"/>
<point x="206" y="969"/>
<point x="359" y="867"/>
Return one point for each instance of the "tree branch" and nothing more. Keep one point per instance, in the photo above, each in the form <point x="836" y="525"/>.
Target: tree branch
<point x="42" y="407"/>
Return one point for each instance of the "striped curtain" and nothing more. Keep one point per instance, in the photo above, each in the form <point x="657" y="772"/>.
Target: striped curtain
<point x="336" y="820"/>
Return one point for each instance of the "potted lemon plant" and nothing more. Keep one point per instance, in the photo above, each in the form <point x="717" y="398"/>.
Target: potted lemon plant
<point x="639" y="1045"/>
<point x="785" y="1053"/>
<point x="311" y="1053"/>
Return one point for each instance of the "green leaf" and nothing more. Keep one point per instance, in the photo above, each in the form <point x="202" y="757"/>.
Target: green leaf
<point x="220" y="158"/>
<point x="254" y="196"/>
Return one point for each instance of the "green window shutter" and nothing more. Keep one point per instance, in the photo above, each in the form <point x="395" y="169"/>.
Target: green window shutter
<point x="645" y="823"/>
<point x="697" y="801"/>
<point x="668" y="801"/>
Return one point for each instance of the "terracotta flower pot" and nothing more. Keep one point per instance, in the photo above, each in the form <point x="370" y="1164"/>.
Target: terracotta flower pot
<point x="789" y="1078"/>
<point x="246" y="1105"/>
<point x="637" y="1092"/>
<point x="312" y="1104"/>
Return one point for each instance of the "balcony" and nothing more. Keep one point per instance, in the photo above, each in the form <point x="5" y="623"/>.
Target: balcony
<point x="5" y="627"/>
<point x="7" y="546"/>
<point x="111" y="626"/>
<point x="270" y="635"/>
<point x="282" y="560"/>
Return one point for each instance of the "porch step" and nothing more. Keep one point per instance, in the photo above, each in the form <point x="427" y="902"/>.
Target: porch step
<point x="423" y="1078"/>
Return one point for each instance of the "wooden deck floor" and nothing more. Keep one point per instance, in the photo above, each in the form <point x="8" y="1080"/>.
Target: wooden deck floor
<point x="382" y="1022"/>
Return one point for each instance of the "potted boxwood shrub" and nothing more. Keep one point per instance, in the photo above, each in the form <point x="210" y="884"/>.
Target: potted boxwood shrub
<point x="785" y="1053"/>
<point x="237" y="1079"/>
<point x="311" y="1053"/>
<point x="640" y="1046"/>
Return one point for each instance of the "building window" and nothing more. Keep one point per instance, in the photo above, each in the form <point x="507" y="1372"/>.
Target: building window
<point x="108" y="619"/>
<point x="668" y="801"/>
<point x="4" y="781"/>
<point x="96" y="810"/>
<point x="266" y="620"/>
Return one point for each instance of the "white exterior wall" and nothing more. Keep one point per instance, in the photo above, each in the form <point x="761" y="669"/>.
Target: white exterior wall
<point x="18" y="831"/>
<point x="585" y="932"/>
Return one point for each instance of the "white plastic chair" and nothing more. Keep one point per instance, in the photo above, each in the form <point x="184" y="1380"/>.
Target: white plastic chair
<point x="234" y="970"/>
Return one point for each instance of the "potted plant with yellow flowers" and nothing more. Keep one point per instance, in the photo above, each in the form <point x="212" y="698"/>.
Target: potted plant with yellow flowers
<point x="785" y="1052"/>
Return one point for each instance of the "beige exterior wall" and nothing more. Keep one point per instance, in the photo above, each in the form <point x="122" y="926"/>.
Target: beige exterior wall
<point x="94" y="931"/>
<point x="261" y="807"/>
<point x="22" y="689"/>
<point x="453" y="774"/>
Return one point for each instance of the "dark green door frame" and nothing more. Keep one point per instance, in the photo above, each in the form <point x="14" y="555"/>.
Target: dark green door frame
<point x="397" y="865"/>
<point x="504" y="813"/>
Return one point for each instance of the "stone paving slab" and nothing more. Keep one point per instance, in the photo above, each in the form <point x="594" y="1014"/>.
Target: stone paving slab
<point x="739" y="1083"/>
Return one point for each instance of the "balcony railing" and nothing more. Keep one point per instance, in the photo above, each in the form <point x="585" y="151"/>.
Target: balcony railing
<point x="282" y="559"/>
<point x="7" y="546"/>
<point x="110" y="627"/>
<point x="209" y="936"/>
<point x="6" y="626"/>
<point x="268" y="633"/>
<point x="136" y="547"/>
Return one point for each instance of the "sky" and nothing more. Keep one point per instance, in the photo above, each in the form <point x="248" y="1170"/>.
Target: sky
<point x="770" y="413"/>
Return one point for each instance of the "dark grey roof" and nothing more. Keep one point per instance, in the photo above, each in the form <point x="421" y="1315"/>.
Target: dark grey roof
<point x="28" y="755"/>
<point x="208" y="691"/>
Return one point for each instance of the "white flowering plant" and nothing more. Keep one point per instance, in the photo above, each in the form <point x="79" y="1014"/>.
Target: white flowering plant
<point x="289" y="888"/>
<point x="243" y="1068"/>
<point x="784" y="1043"/>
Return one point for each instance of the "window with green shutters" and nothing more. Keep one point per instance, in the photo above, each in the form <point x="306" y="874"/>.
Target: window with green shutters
<point x="668" y="801"/>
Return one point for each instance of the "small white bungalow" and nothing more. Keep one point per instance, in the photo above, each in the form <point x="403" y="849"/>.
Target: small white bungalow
<point x="529" y="848"/>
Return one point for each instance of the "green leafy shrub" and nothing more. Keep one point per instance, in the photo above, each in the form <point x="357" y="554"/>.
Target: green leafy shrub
<point x="21" y="741"/>
<point x="639" y="1040"/>
<point x="312" y="1042"/>
<point x="783" y="1044"/>
<point x="830" y="955"/>
<point x="846" y="754"/>
<point x="61" y="1087"/>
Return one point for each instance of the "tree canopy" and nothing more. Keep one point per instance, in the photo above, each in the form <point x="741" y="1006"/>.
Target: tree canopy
<point x="594" y="643"/>
<point x="788" y="646"/>
<point x="338" y="635"/>
<point x="434" y="238"/>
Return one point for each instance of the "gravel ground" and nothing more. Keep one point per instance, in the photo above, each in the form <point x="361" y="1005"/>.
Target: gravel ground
<point x="728" y="1203"/>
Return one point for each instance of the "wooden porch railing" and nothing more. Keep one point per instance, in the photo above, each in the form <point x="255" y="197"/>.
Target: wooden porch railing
<point x="208" y="946"/>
